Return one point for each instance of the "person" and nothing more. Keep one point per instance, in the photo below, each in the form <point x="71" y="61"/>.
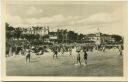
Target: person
<point x="62" y="50"/>
<point x="85" y="57"/>
<point x="22" y="51"/>
<point x="120" y="52"/>
<point x="120" y="49"/>
<point x="28" y="56"/>
<point x="78" y="49"/>
<point x="70" y="51"/>
<point x="78" y="58"/>
<point x="55" y="53"/>
<point x="103" y="49"/>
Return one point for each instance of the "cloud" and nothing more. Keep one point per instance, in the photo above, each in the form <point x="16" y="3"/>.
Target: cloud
<point x="33" y="11"/>
<point x="95" y="19"/>
<point x="103" y="18"/>
<point x="46" y="20"/>
<point x="13" y="20"/>
<point x="55" y="19"/>
<point x="108" y="22"/>
<point x="98" y="18"/>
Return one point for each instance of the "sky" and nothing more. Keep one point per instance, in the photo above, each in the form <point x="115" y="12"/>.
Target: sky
<point x="81" y="17"/>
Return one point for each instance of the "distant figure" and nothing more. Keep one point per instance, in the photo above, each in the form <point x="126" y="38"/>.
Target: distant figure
<point x="78" y="58"/>
<point x="103" y="49"/>
<point x="78" y="49"/>
<point x="120" y="49"/>
<point x="55" y="53"/>
<point x="70" y="51"/>
<point x="18" y="50"/>
<point x="22" y="51"/>
<point x="121" y="52"/>
<point x="85" y="57"/>
<point x="28" y="56"/>
<point x="62" y="50"/>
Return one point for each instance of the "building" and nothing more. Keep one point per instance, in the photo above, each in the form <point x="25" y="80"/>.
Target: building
<point x="99" y="38"/>
<point x="36" y="30"/>
<point x="53" y="37"/>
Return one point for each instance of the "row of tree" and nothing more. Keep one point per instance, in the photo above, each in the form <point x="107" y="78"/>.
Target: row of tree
<point x="65" y="36"/>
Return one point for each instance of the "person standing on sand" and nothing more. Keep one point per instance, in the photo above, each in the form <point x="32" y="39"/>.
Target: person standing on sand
<point x="85" y="57"/>
<point x="28" y="56"/>
<point x="120" y="49"/>
<point x="78" y="58"/>
<point x="55" y="53"/>
<point x="70" y="51"/>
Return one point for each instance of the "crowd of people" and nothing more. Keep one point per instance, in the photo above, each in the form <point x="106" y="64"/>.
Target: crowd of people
<point x="27" y="49"/>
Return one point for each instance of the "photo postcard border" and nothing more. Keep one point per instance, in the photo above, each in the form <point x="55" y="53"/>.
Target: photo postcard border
<point x="50" y="78"/>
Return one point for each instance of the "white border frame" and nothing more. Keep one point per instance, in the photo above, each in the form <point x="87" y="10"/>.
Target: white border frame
<point x="43" y="78"/>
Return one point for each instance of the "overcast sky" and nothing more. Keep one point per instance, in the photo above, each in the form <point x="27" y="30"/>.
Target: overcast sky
<point x="81" y="17"/>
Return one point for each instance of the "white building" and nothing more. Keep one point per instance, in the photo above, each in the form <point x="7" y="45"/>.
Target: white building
<point x="36" y="30"/>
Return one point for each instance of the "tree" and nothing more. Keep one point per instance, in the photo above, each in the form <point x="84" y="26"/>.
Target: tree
<point x="9" y="31"/>
<point x="72" y="36"/>
<point x="117" y="38"/>
<point x="59" y="35"/>
<point x="17" y="33"/>
<point x="80" y="38"/>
